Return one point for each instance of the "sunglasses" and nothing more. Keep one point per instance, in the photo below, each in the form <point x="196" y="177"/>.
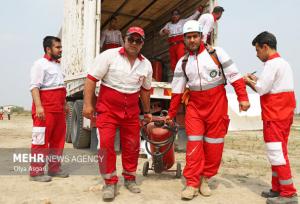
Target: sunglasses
<point x="137" y="41"/>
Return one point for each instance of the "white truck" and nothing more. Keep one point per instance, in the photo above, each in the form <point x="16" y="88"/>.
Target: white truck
<point x="82" y="25"/>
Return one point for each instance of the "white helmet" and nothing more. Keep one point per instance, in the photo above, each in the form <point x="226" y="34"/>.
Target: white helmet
<point x="191" y="26"/>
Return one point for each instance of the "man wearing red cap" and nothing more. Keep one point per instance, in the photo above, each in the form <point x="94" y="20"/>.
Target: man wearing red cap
<point x="174" y="30"/>
<point x="125" y="77"/>
<point x="208" y="21"/>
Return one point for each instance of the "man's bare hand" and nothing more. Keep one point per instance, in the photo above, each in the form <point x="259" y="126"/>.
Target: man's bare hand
<point x="148" y="117"/>
<point x="166" y="31"/>
<point x="253" y="77"/>
<point x="250" y="78"/>
<point x="244" y="105"/>
<point x="67" y="108"/>
<point x="168" y="120"/>
<point x="88" y="111"/>
<point x="40" y="113"/>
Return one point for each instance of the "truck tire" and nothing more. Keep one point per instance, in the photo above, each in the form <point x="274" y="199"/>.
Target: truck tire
<point x="178" y="170"/>
<point x="145" y="168"/>
<point x="81" y="138"/>
<point x="69" y="122"/>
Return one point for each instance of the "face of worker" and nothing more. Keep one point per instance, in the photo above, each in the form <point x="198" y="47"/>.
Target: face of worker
<point x="133" y="44"/>
<point x="218" y="15"/>
<point x="55" y="50"/>
<point x="262" y="52"/>
<point x="192" y="41"/>
<point x="175" y="16"/>
<point x="114" y="23"/>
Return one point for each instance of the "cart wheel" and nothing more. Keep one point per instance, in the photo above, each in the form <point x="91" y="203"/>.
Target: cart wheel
<point x="178" y="170"/>
<point x="145" y="168"/>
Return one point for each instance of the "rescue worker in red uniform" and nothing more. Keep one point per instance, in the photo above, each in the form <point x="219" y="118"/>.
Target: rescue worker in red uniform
<point x="276" y="89"/>
<point x="208" y="22"/>
<point x="1" y="113"/>
<point x="174" y="31"/>
<point x="206" y="119"/>
<point x="48" y="111"/>
<point x="111" y="37"/>
<point x="125" y="76"/>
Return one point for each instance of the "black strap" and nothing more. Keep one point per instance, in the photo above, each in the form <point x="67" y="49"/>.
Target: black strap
<point x="183" y="65"/>
<point x="213" y="54"/>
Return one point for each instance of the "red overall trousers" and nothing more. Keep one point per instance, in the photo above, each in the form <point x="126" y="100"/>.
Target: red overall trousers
<point x="48" y="136"/>
<point x="176" y="50"/>
<point x="118" y="110"/>
<point x="206" y="124"/>
<point x="277" y="114"/>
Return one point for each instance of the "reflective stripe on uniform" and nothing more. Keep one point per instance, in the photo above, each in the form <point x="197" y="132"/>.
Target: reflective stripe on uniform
<point x="208" y="86"/>
<point x="286" y="182"/>
<point x="213" y="140"/>
<point x="108" y="176"/>
<point x="178" y="74"/>
<point x="129" y="173"/>
<point x="195" y="138"/>
<point x="227" y="64"/>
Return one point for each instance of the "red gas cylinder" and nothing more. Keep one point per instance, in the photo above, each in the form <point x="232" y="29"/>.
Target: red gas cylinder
<point x="158" y="135"/>
<point x="157" y="70"/>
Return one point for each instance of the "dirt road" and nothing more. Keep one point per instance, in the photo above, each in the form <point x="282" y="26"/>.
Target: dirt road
<point x="244" y="173"/>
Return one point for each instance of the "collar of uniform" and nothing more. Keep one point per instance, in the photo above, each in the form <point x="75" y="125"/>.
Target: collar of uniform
<point x="201" y="48"/>
<point x="50" y="59"/>
<point x="276" y="55"/>
<point x="215" y="18"/>
<point x="122" y="52"/>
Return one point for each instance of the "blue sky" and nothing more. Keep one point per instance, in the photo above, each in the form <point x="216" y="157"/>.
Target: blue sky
<point x="244" y="19"/>
<point x="25" y="23"/>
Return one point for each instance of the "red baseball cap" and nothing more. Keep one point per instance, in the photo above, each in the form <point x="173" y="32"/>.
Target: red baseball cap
<point x="136" y="29"/>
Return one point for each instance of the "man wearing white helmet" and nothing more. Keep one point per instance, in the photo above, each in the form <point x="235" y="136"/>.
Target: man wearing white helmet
<point x="206" y="120"/>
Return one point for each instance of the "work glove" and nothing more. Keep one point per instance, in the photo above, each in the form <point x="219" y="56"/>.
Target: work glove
<point x="185" y="97"/>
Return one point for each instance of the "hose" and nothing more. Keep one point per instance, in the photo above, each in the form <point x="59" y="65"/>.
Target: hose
<point x="159" y="144"/>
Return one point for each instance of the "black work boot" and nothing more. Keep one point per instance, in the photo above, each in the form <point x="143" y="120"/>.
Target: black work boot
<point x="270" y="194"/>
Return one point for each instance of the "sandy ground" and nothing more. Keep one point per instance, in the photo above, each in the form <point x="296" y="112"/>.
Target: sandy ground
<point x="244" y="173"/>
